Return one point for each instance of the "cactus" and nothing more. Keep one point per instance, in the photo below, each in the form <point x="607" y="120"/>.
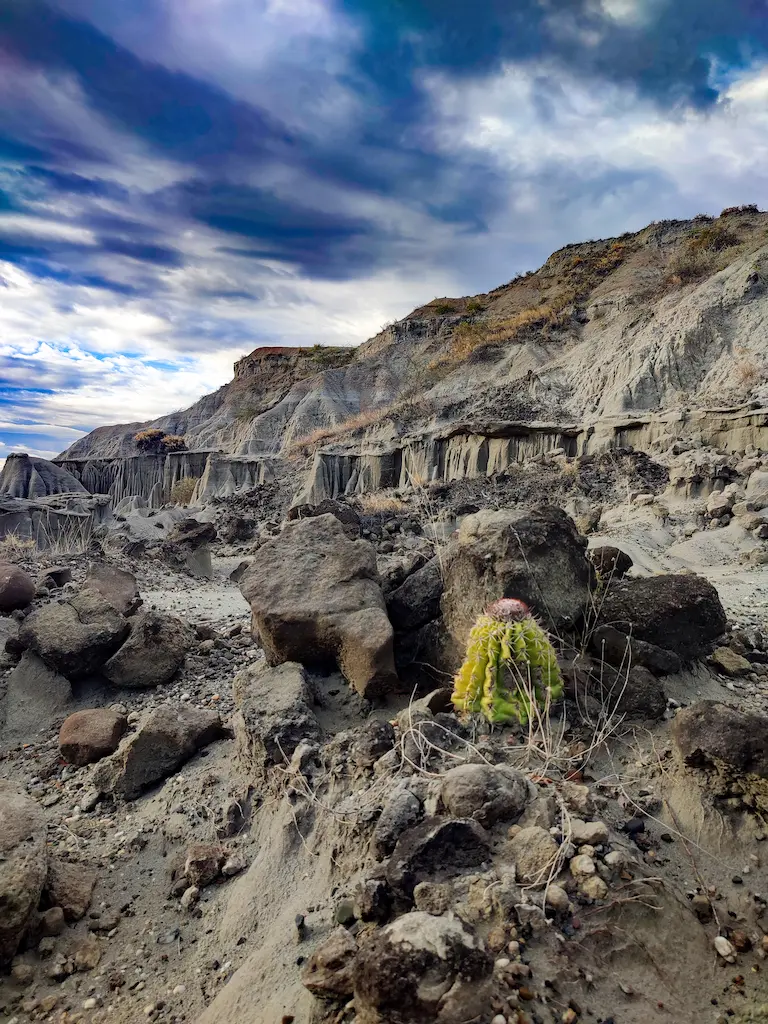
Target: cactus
<point x="510" y="663"/>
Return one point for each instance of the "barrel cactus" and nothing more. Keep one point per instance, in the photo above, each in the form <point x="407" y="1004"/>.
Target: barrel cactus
<point x="510" y="665"/>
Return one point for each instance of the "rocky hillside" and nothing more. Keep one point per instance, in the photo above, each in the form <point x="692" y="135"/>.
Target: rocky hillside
<point x="672" y="316"/>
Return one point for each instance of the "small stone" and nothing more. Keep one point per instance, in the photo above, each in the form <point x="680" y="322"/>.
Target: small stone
<point x="499" y="1019"/>
<point x="725" y="949"/>
<point x="345" y="913"/>
<point x="52" y="922"/>
<point x="432" y="897"/>
<point x="593" y="833"/>
<point x="594" y="888"/>
<point x="570" y="1016"/>
<point x="582" y="866"/>
<point x="180" y="990"/>
<point x="189" y="897"/>
<point x="701" y="907"/>
<point x="741" y="942"/>
<point x="232" y="866"/>
<point x="557" y="899"/>
<point x="90" y="1003"/>
<point x="22" y="973"/>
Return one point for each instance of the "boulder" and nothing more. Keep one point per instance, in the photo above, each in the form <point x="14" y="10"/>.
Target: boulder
<point x="272" y="713"/>
<point x="721" y="738"/>
<point x="372" y="740"/>
<point x="23" y="865"/>
<point x="328" y="972"/>
<point x="618" y="649"/>
<point x="87" y="736"/>
<point x="539" y="558"/>
<point x="679" y="613"/>
<point x="70" y="886"/>
<point x="117" y="586"/>
<point x="610" y="562"/>
<point x="417" y="601"/>
<point x="435" y="851"/>
<point x="487" y="793"/>
<point x="154" y="651"/>
<point x="422" y="969"/>
<point x="535" y="853"/>
<point x="346" y="515"/>
<point x="167" y="738"/>
<point x="17" y="590"/>
<point x="75" y="638"/>
<point x="315" y="599"/>
<point x="638" y="694"/>
<point x="36" y="697"/>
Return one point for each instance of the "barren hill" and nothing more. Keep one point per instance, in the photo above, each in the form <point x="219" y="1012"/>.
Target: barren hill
<point x="672" y="316"/>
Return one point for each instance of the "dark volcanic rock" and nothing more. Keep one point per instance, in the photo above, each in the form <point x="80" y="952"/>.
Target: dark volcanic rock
<point x="154" y="651"/>
<point x="16" y="588"/>
<point x="679" y="613"/>
<point x="612" y="563"/>
<point x="417" y="601"/>
<point x="539" y="558"/>
<point x="618" y="649"/>
<point x="422" y="969"/>
<point x="713" y="735"/>
<point x="117" y="586"/>
<point x="436" y="850"/>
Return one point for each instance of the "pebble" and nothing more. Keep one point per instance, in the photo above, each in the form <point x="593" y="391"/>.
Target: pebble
<point x="89" y="1004"/>
<point x="725" y="949"/>
<point x="499" y="1019"/>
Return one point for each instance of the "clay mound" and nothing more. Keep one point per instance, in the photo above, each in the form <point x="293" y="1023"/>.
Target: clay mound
<point x="25" y="476"/>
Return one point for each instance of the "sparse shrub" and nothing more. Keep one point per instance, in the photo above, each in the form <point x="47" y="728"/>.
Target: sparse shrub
<point x="150" y="441"/>
<point x="734" y="211"/>
<point x="474" y="306"/>
<point x="174" y="443"/>
<point x="182" y="490"/>
<point x="444" y="307"/>
<point x="713" y="238"/>
<point x="379" y="501"/>
<point x="157" y="442"/>
<point x="510" y="672"/>
<point x="690" y="265"/>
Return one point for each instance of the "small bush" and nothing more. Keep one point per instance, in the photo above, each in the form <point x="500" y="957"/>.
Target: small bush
<point x="734" y="211"/>
<point x="474" y="306"/>
<point x="150" y="440"/>
<point x="182" y="490"/>
<point x="444" y="308"/>
<point x="157" y="442"/>
<point x="690" y="265"/>
<point x="174" y="443"/>
<point x="713" y="238"/>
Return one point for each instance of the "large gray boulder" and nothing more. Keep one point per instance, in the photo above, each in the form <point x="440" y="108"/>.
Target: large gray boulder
<point x="76" y="637"/>
<point x="417" y="601"/>
<point x="17" y="589"/>
<point x="26" y="476"/>
<point x="154" y="651"/>
<point x="37" y="696"/>
<point x="23" y="865"/>
<point x="273" y="714"/>
<point x="680" y="613"/>
<point x="539" y="557"/>
<point x="166" y="739"/>
<point x="422" y="969"/>
<point x="315" y="598"/>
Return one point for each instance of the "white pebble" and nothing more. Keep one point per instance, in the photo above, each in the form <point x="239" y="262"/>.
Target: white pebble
<point x="180" y="990"/>
<point x="89" y="1004"/>
<point x="725" y="949"/>
<point x="499" y="1019"/>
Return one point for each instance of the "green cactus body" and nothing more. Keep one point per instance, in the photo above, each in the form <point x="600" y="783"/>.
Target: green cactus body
<point x="507" y="648"/>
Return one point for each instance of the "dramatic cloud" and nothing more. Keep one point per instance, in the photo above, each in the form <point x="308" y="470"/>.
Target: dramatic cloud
<point x="183" y="180"/>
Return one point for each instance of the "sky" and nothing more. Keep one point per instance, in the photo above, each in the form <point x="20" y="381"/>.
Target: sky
<point x="182" y="181"/>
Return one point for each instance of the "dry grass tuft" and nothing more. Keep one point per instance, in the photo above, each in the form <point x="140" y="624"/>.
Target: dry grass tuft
<point x="380" y="501"/>
<point x="182" y="490"/>
<point x="13" y="547"/>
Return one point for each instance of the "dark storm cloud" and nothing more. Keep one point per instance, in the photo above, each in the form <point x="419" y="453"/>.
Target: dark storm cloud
<point x="665" y="53"/>
<point x="228" y="144"/>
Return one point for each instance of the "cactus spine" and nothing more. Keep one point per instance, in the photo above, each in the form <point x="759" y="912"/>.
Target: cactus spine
<point x="510" y="664"/>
